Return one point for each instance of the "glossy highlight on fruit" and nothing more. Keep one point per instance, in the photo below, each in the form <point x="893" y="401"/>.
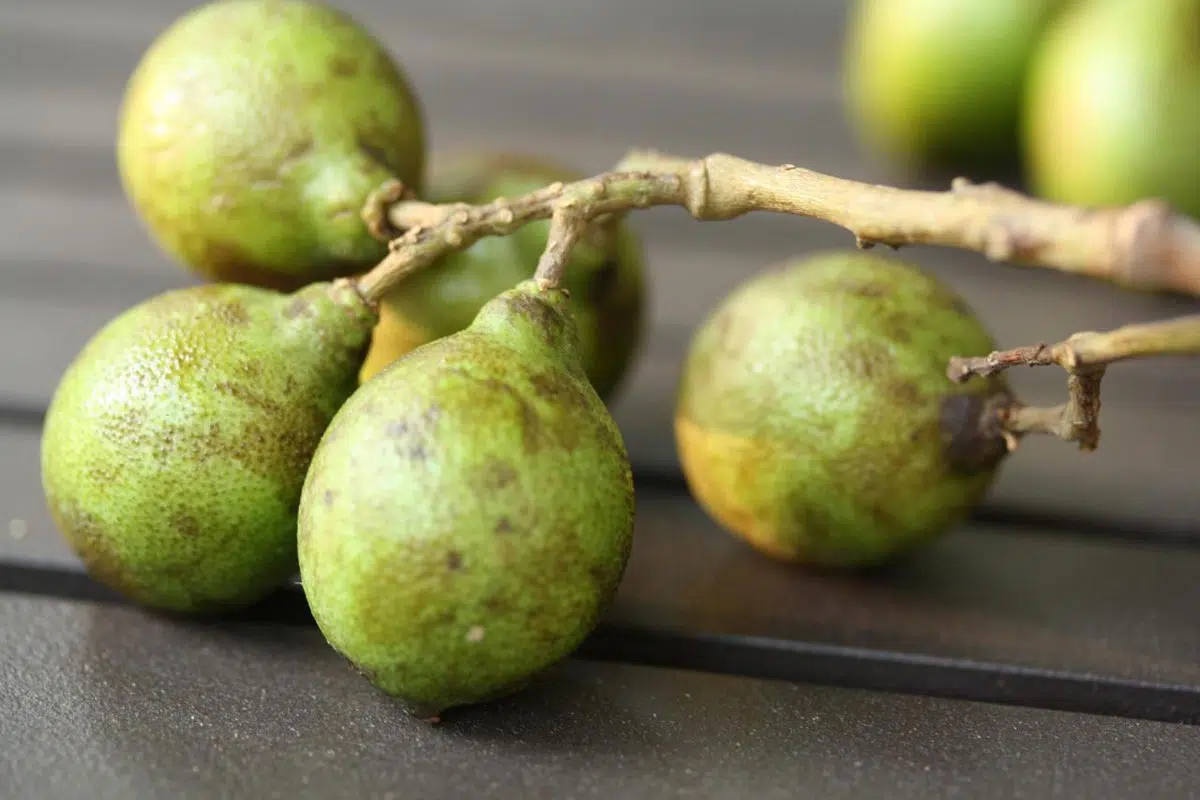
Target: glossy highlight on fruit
<point x="251" y="133"/>
<point x="469" y="513"/>
<point x="814" y="418"/>
<point x="605" y="276"/>
<point x="177" y="442"/>
<point x="1113" y="113"/>
<point x="938" y="84"/>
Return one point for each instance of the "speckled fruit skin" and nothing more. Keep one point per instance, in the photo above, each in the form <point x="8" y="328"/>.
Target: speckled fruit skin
<point x="251" y="133"/>
<point x="469" y="514"/>
<point x="814" y="417"/>
<point x="1113" y="110"/>
<point x="606" y="283"/>
<point x="937" y="84"/>
<point x="177" y="442"/>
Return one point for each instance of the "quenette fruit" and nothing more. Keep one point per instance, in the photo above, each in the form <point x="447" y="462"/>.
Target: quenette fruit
<point x="251" y="133"/>
<point x="177" y="442"/>
<point x="604" y="276"/>
<point x="469" y="512"/>
<point x="815" y="419"/>
<point x="1113" y="113"/>
<point x="937" y="84"/>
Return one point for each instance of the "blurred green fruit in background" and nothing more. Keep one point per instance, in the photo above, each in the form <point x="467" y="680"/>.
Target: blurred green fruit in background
<point x="1113" y="109"/>
<point x="937" y="84"/>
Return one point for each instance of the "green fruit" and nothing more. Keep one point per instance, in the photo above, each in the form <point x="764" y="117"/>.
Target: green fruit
<point x="176" y="444"/>
<point x="605" y="278"/>
<point x="815" y="419"/>
<point x="469" y="513"/>
<point x="251" y="133"/>
<point x="938" y="83"/>
<point x="1113" y="112"/>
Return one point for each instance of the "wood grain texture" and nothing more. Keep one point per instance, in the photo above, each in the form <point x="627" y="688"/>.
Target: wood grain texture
<point x="581" y="84"/>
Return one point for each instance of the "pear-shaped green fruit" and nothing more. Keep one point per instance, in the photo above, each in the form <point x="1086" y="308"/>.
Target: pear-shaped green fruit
<point x="815" y="419"/>
<point x="1113" y="112"/>
<point x="937" y="84"/>
<point x="252" y="132"/>
<point x="469" y="512"/>
<point x="604" y="276"/>
<point x="177" y="442"/>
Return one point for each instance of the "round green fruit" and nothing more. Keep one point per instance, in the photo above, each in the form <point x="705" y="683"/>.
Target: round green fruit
<point x="1113" y="113"/>
<point x="177" y="442"/>
<point x="937" y="84"/>
<point x="469" y="512"/>
<point x="251" y="133"/>
<point x="814" y="416"/>
<point x="604" y="277"/>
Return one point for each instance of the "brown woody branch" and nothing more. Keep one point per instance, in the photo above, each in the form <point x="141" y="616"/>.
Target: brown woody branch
<point x="1144" y="244"/>
<point x="1084" y="356"/>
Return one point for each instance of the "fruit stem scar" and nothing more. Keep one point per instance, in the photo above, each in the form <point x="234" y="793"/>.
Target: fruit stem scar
<point x="1084" y="356"/>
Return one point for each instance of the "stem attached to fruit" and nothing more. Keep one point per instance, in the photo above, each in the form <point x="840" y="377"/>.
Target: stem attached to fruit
<point x="1144" y="245"/>
<point x="1084" y="356"/>
<point x="569" y="206"/>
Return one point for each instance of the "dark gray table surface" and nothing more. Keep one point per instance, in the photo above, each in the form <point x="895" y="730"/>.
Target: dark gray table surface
<point x="124" y="705"/>
<point x="1048" y="649"/>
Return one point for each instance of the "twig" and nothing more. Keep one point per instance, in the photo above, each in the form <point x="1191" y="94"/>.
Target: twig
<point x="567" y="227"/>
<point x="1144" y="245"/>
<point x="1084" y="356"/>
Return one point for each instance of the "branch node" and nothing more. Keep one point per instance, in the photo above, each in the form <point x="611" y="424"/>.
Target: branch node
<point x="696" y="189"/>
<point x="374" y="212"/>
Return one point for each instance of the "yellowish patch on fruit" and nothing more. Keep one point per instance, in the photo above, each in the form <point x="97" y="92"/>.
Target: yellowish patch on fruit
<point x="720" y="471"/>
<point x="394" y="337"/>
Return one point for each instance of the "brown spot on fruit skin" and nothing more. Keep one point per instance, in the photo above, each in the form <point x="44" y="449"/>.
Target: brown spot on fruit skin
<point x="371" y="151"/>
<point x="563" y="394"/>
<point x="905" y="394"/>
<point x="497" y="475"/>
<point x="863" y="289"/>
<point x="250" y="397"/>
<point x="503" y="525"/>
<point x="299" y="307"/>
<point x="550" y="323"/>
<point x="186" y="524"/>
<point x="232" y="313"/>
<point x="454" y="561"/>
<point x="92" y="546"/>
<point x="343" y="67"/>
<point x="970" y="431"/>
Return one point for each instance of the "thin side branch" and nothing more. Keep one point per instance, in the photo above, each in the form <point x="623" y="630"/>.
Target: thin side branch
<point x="567" y="227"/>
<point x="1144" y="245"/>
<point x="1084" y="356"/>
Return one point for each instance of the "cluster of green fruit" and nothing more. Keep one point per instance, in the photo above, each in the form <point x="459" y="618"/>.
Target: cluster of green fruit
<point x="1093" y="99"/>
<point x="441" y="466"/>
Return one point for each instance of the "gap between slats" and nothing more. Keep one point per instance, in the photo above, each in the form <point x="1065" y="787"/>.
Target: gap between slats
<point x="774" y="659"/>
